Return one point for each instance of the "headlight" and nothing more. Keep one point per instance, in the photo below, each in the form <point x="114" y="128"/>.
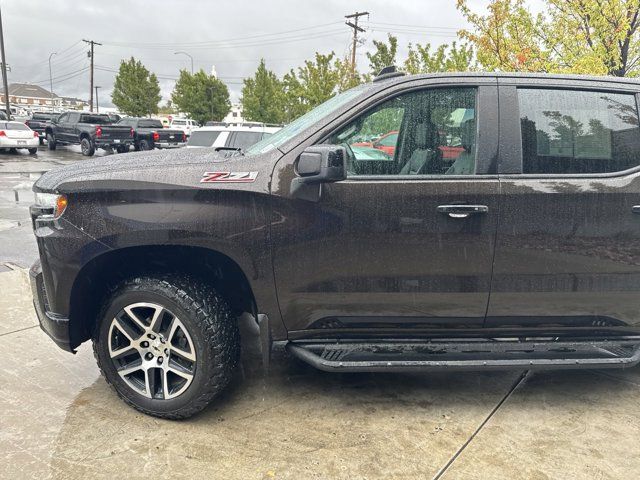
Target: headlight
<point x="54" y="202"/>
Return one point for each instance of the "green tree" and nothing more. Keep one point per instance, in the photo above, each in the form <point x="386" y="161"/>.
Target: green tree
<point x="347" y="78"/>
<point x="202" y="96"/>
<point x="136" y="91"/>
<point x="314" y="83"/>
<point x="445" y="58"/>
<point x="263" y="97"/>
<point x="384" y="55"/>
<point x="572" y="36"/>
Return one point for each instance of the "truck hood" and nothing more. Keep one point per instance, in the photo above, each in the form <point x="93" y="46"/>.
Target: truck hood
<point x="151" y="169"/>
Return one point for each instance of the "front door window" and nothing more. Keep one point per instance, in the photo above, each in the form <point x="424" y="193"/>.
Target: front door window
<point x="427" y="132"/>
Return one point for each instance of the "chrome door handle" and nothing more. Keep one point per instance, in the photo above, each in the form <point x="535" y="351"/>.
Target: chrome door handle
<point x="462" y="210"/>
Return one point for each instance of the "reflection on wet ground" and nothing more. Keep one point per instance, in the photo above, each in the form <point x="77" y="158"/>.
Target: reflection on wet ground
<point x="59" y="419"/>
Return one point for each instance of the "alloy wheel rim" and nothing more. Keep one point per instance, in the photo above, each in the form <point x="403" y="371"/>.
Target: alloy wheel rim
<point x="152" y="351"/>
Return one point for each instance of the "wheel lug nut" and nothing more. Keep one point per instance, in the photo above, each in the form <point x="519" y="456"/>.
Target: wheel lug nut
<point x="159" y="359"/>
<point x="166" y="351"/>
<point x="144" y="344"/>
<point x="151" y="336"/>
<point x="149" y="356"/>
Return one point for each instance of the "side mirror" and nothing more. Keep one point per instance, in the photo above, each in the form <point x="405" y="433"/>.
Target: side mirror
<point x="317" y="165"/>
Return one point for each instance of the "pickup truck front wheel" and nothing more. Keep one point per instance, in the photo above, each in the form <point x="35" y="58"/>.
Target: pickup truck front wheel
<point x="87" y="147"/>
<point x="167" y="345"/>
<point x="51" y="141"/>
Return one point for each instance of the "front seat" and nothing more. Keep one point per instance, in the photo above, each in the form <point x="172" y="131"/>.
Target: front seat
<point x="426" y="153"/>
<point x="465" y="164"/>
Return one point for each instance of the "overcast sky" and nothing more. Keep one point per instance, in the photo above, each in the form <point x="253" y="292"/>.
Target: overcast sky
<point x="232" y="35"/>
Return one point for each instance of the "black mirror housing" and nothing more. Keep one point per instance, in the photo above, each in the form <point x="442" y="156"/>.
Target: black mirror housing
<point x="316" y="165"/>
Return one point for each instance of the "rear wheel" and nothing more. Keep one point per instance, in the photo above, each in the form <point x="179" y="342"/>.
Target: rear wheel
<point x="41" y="140"/>
<point x="145" y="145"/>
<point x="33" y="151"/>
<point x="87" y="147"/>
<point x="168" y="345"/>
<point x="51" y="141"/>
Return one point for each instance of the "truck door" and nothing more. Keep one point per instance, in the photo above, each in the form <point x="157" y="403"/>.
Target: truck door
<point x="405" y="244"/>
<point x="568" y="244"/>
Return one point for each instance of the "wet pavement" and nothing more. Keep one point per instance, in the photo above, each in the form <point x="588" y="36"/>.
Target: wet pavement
<point x="59" y="419"/>
<point x="18" y="171"/>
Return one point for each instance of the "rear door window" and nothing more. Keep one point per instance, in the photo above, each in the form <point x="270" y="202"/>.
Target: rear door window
<point x="577" y="132"/>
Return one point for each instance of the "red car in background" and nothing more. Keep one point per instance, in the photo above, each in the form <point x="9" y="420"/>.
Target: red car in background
<point x="387" y="143"/>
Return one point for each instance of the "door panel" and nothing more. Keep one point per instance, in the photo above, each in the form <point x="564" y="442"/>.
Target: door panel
<point x="568" y="243"/>
<point x="567" y="254"/>
<point x="375" y="255"/>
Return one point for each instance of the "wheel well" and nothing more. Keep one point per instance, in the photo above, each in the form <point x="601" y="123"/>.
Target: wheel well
<point x="98" y="277"/>
<point x="85" y="135"/>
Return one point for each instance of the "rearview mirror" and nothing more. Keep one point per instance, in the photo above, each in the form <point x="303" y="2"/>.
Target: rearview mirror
<point x="317" y="165"/>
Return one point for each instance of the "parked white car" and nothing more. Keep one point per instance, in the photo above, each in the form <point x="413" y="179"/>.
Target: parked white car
<point x="18" y="135"/>
<point x="185" y="124"/>
<point x="234" y="135"/>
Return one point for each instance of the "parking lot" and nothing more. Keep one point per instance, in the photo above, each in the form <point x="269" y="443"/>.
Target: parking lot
<point x="59" y="418"/>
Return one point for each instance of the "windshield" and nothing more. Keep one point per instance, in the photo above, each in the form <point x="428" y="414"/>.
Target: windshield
<point x="304" y="122"/>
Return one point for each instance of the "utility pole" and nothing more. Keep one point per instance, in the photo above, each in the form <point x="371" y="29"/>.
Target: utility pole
<point x="356" y="29"/>
<point x="90" y="53"/>
<point x="51" y="81"/>
<point x="4" y="72"/>
<point x="97" y="104"/>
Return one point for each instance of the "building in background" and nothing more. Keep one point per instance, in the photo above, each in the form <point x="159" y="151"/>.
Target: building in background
<point x="234" y="115"/>
<point x="72" y="103"/>
<point x="28" y="95"/>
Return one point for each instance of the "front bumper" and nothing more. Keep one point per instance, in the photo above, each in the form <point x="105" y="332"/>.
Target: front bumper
<point x="56" y="326"/>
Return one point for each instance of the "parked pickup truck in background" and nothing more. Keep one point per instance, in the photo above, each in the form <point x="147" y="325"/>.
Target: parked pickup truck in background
<point x="149" y="133"/>
<point x="38" y="123"/>
<point x="90" y="131"/>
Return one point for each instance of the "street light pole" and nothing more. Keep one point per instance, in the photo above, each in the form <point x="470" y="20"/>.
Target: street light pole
<point x="4" y="71"/>
<point x="51" y="81"/>
<point x="97" y="104"/>
<point x="185" y="53"/>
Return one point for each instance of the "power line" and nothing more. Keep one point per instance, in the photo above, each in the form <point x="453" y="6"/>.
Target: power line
<point x="209" y="42"/>
<point x="274" y="41"/>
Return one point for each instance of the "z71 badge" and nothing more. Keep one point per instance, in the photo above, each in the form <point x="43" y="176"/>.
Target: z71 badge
<point x="229" y="177"/>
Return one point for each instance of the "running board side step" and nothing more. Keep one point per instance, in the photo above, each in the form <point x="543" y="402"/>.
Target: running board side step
<point x="465" y="355"/>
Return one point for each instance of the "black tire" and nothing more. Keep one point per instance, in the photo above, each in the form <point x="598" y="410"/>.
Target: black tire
<point x="51" y="141"/>
<point x="33" y="151"/>
<point x="41" y="140"/>
<point x="210" y="324"/>
<point x="13" y="150"/>
<point x="87" y="147"/>
<point x="144" y="145"/>
<point x="122" y="149"/>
